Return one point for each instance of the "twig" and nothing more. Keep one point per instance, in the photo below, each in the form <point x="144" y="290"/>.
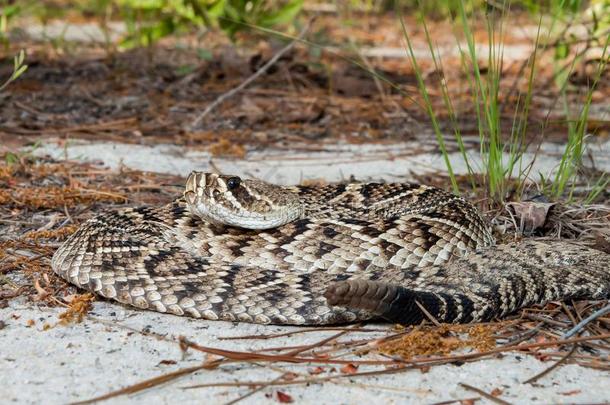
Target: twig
<point x="485" y="394"/>
<point x="428" y="314"/>
<point x="310" y="380"/>
<point x="143" y="385"/>
<point x="252" y="392"/>
<point x="250" y="79"/>
<point x="522" y="337"/>
<point x="553" y="367"/>
<point x="455" y="401"/>
<point x="569" y="313"/>
<point x="318" y="344"/>
<point x="285" y="358"/>
<point x="580" y="325"/>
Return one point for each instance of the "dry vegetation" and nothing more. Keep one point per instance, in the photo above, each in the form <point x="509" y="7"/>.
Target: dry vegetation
<point x="42" y="202"/>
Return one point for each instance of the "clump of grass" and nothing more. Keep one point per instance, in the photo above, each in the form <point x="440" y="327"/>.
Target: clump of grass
<point x="577" y="130"/>
<point x="501" y="153"/>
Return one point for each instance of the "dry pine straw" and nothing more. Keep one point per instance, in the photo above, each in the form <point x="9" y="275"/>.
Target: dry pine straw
<point x="67" y="193"/>
<point x="43" y="201"/>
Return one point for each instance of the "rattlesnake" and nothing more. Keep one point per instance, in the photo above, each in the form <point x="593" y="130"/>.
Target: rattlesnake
<point x="316" y="255"/>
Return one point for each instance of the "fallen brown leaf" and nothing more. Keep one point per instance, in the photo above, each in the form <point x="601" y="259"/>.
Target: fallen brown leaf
<point x="496" y="392"/>
<point x="531" y="215"/>
<point x="315" y="371"/>
<point x="349" y="369"/>
<point x="283" y="398"/>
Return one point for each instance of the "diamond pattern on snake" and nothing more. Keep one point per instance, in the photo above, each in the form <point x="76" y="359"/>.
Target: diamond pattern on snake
<point x="245" y="250"/>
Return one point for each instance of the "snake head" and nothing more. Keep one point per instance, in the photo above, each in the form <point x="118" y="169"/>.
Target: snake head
<point x="230" y="200"/>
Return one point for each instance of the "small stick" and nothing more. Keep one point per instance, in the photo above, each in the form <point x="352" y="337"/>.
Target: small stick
<point x="580" y="325"/>
<point x="152" y="382"/>
<point x="318" y="344"/>
<point x="553" y="367"/>
<point x="428" y="314"/>
<point x="284" y="358"/>
<point x="544" y="319"/>
<point x="485" y="394"/>
<point x="250" y="79"/>
<point x="252" y="392"/>
<point x="454" y="401"/>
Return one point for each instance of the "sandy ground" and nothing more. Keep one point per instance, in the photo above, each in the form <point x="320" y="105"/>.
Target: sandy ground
<point x="72" y="363"/>
<point x="113" y="348"/>
<point x="333" y="163"/>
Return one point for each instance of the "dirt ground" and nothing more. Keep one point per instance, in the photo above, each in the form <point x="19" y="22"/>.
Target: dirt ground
<point x="316" y="94"/>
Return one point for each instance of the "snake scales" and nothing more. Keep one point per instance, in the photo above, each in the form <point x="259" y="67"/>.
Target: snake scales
<point x="245" y="250"/>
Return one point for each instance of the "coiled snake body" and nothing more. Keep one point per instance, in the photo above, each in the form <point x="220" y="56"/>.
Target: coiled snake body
<point x="246" y="250"/>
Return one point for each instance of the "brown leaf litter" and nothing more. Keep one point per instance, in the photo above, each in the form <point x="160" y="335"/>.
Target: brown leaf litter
<point x="442" y="340"/>
<point x="43" y="201"/>
<point x="78" y="308"/>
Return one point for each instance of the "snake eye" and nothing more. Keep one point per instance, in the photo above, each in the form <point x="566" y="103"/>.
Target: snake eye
<point x="233" y="183"/>
<point x="216" y="194"/>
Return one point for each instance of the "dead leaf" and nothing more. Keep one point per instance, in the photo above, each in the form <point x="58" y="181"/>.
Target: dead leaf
<point x="283" y="398"/>
<point x="531" y="215"/>
<point x="42" y="293"/>
<point x="166" y="362"/>
<point x="349" y="369"/>
<point x="315" y="371"/>
<point x="496" y="392"/>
